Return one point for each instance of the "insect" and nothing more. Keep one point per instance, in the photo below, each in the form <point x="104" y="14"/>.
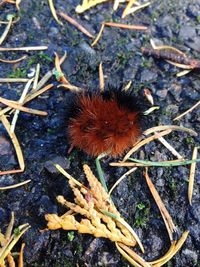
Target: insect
<point x="104" y="122"/>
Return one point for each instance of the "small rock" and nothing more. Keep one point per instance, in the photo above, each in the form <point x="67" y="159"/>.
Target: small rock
<point x="148" y="75"/>
<point x="62" y="161"/>
<point x="194" y="43"/>
<point x="190" y="255"/>
<point x="5" y="147"/>
<point x="187" y="32"/>
<point x="193" y="10"/>
<point x="160" y="182"/>
<point x="176" y="91"/>
<point x="162" y="93"/>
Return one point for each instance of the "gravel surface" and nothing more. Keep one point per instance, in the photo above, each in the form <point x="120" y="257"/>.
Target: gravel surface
<point x="44" y="142"/>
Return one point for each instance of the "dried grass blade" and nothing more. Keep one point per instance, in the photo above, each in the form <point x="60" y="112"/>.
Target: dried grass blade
<point x="165" y="214"/>
<point x="6" y="250"/>
<point x="28" y="48"/>
<point x="167" y="47"/>
<point x="21" y="100"/>
<point x="14" y="60"/>
<point x="166" y="256"/>
<point x="76" y="24"/>
<point x="18" y="3"/>
<point x="182" y="73"/>
<point x="36" y="78"/>
<point x="87" y="4"/>
<point x="134" y="255"/>
<point x="179" y="65"/>
<point x="170" y="127"/>
<point x="132" y="10"/>
<point x="6" y="31"/>
<point x="49" y="74"/>
<point x="70" y="87"/>
<point x="21" y="264"/>
<point x="170" y="148"/>
<point x="120" y="179"/>
<point x="101" y="78"/>
<point x="14" y="80"/>
<point x="192" y="175"/>
<point x="16" y="146"/>
<point x="15" y="105"/>
<point x="67" y="175"/>
<point x="53" y="11"/>
<point x="10" y="260"/>
<point x="126" y="26"/>
<point x="15" y="185"/>
<point x="144" y="142"/>
<point x="60" y="74"/>
<point x="116" y="4"/>
<point x="126" y="164"/>
<point x="39" y="92"/>
<point x="130" y="229"/>
<point x="98" y="35"/>
<point x="10" y="227"/>
<point x="129" y="5"/>
<point x="167" y="163"/>
<point x="178" y="245"/>
<point x="127" y="257"/>
<point x="187" y="111"/>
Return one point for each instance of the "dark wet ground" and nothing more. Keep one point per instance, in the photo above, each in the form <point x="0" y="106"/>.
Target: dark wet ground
<point x="43" y="139"/>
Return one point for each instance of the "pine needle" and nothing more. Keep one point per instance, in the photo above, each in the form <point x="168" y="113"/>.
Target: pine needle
<point x="187" y="111"/>
<point x="21" y="100"/>
<point x="170" y="127"/>
<point x="171" y="228"/>
<point x="101" y="78"/>
<point x="76" y="24"/>
<point x="16" y="146"/>
<point x="15" y="185"/>
<point x="120" y="179"/>
<point x="13" y="61"/>
<point x="169" y="163"/>
<point x="28" y="48"/>
<point x="144" y="142"/>
<point x="130" y="10"/>
<point x="7" y="29"/>
<point x="192" y="175"/>
<point x="87" y="4"/>
<point x="53" y="11"/>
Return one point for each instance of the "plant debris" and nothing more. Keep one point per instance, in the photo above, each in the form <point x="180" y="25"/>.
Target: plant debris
<point x="103" y="219"/>
<point x="8" y="241"/>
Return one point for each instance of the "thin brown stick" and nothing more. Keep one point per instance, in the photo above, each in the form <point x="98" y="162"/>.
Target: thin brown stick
<point x="76" y="24"/>
<point x="187" y="111"/>
<point x="126" y="26"/>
